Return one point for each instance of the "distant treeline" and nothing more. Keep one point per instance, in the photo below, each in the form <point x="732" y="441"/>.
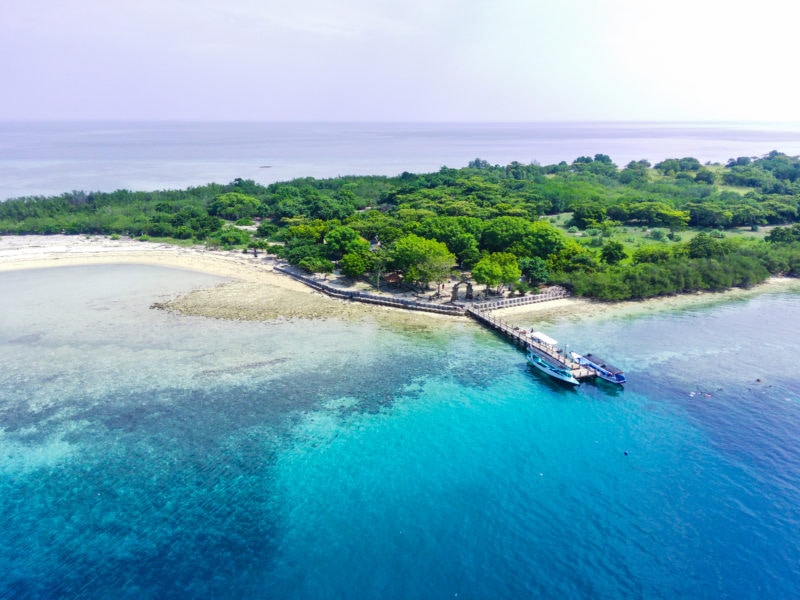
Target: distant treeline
<point x="605" y="232"/>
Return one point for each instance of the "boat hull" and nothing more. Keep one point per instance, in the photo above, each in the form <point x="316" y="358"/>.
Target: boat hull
<point x="610" y="374"/>
<point x="611" y="378"/>
<point x="556" y="372"/>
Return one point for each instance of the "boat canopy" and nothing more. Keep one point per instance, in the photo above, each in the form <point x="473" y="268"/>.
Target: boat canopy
<point x="538" y="336"/>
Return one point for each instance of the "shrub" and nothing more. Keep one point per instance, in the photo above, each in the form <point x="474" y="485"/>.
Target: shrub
<point x="675" y="237"/>
<point x="522" y="287"/>
<point x="183" y="233"/>
<point x="231" y="236"/>
<point x="313" y="264"/>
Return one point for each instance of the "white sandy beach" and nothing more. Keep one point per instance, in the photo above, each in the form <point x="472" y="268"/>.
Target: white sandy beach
<point x="257" y="292"/>
<point x="33" y="252"/>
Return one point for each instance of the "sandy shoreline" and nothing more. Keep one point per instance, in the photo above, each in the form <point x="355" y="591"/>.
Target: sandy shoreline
<point x="587" y="310"/>
<point x="36" y="252"/>
<point x="256" y="292"/>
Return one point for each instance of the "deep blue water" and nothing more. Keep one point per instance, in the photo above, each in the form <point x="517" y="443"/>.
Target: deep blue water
<point x="148" y="455"/>
<point x="49" y="158"/>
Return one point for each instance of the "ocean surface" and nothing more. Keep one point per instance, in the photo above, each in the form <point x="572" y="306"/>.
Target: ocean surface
<point x="148" y="455"/>
<point x="49" y="158"/>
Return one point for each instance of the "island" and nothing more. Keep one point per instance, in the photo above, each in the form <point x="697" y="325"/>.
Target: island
<point x="589" y="227"/>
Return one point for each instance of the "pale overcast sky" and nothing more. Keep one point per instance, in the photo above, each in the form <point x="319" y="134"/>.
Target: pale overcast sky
<point x="393" y="60"/>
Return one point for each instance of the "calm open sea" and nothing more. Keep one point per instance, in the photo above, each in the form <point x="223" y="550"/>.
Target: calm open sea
<point x="52" y="158"/>
<point x="148" y="455"/>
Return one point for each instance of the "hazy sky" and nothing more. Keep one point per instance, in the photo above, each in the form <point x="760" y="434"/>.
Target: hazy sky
<point x="425" y="60"/>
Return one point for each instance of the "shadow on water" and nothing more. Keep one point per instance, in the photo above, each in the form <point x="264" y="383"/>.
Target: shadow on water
<point x="554" y="385"/>
<point x="604" y="387"/>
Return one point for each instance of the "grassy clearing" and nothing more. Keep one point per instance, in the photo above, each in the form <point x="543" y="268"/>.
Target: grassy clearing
<point x="736" y="189"/>
<point x="633" y="238"/>
<point x="560" y="220"/>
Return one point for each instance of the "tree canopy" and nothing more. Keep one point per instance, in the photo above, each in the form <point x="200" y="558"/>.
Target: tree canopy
<point x="496" y="269"/>
<point x="422" y="260"/>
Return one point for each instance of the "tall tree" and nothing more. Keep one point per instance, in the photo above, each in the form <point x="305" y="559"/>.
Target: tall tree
<point x="341" y="240"/>
<point x="534" y="268"/>
<point x="497" y="269"/>
<point x="422" y="260"/>
<point x="234" y="205"/>
<point x="502" y="232"/>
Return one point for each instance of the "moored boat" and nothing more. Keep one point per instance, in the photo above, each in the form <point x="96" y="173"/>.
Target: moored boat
<point x="603" y="368"/>
<point x="551" y="366"/>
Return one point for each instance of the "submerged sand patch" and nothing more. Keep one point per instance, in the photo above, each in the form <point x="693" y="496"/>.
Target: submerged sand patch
<point x="254" y="301"/>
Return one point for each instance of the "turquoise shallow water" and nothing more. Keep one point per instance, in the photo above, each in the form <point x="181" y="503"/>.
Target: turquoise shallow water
<point x="148" y="455"/>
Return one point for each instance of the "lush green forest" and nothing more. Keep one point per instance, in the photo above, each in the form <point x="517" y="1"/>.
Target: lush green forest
<point x="602" y="231"/>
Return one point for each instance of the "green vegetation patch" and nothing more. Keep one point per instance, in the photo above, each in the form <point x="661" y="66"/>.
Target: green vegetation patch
<point x="603" y="231"/>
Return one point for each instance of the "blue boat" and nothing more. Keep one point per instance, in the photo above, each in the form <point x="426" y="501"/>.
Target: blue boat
<point x="603" y="368"/>
<point x="551" y="366"/>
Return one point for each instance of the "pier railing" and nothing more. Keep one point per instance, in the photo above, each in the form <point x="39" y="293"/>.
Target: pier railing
<point x="368" y="298"/>
<point x="456" y="308"/>
<point x="552" y="293"/>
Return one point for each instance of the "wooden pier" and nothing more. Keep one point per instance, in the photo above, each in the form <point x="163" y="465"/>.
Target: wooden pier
<point x="522" y="338"/>
<point x="368" y="298"/>
<point x="478" y="311"/>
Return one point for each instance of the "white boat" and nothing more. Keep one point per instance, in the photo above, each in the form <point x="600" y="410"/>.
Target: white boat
<point x="551" y="366"/>
<point x="604" y="369"/>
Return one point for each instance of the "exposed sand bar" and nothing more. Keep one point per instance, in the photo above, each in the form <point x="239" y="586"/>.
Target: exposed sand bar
<point x="32" y="252"/>
<point x="256" y="292"/>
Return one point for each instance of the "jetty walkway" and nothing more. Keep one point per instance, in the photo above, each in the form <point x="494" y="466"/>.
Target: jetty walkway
<point x="457" y="308"/>
<point x="524" y="338"/>
<point x="369" y="298"/>
<point x="480" y="311"/>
